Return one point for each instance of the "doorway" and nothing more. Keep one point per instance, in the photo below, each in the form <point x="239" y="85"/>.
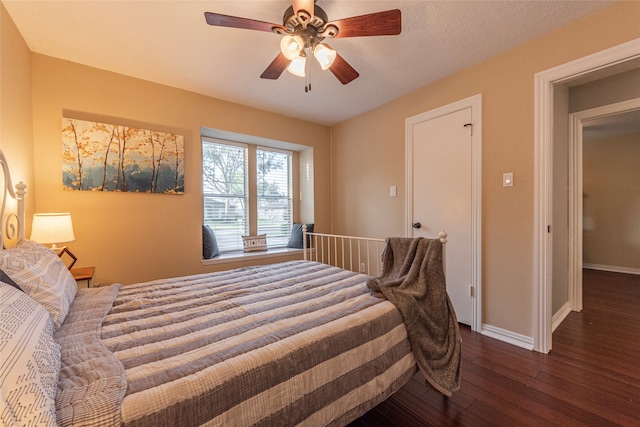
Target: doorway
<point x="577" y="122"/>
<point x="443" y="150"/>
<point x="544" y="83"/>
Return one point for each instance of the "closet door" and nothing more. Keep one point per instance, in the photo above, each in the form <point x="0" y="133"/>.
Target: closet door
<point x="441" y="196"/>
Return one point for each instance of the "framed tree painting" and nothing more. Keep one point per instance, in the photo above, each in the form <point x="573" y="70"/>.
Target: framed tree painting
<point x="107" y="157"/>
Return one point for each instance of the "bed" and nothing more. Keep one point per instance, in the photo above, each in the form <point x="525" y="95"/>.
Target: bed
<point x="293" y="343"/>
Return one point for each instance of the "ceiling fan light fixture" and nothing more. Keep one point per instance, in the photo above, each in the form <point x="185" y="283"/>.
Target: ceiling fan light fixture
<point x="297" y="66"/>
<point x="291" y="46"/>
<point x="304" y="26"/>
<point x="325" y="55"/>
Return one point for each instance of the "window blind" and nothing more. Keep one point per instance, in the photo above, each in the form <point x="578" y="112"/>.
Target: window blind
<point x="224" y="178"/>
<point x="275" y="203"/>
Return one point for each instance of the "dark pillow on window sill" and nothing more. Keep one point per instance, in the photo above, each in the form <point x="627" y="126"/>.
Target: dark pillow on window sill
<point x="209" y="244"/>
<point x="295" y="241"/>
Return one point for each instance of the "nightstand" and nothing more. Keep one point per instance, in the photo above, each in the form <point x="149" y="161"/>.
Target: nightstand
<point x="83" y="273"/>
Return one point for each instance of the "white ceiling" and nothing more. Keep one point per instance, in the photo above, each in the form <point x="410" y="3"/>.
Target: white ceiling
<point x="169" y="42"/>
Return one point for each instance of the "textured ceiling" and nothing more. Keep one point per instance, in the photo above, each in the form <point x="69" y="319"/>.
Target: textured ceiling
<point x="168" y="42"/>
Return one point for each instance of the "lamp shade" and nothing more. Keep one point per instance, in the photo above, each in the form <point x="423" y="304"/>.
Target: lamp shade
<point x="52" y="228"/>
<point x="325" y="55"/>
<point x="297" y="66"/>
<point x="291" y="46"/>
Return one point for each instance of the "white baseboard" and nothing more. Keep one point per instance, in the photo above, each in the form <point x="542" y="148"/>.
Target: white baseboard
<point x="612" y="268"/>
<point x="509" y="337"/>
<point x="560" y="316"/>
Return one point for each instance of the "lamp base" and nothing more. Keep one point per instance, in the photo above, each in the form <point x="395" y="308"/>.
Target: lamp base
<point x="64" y="250"/>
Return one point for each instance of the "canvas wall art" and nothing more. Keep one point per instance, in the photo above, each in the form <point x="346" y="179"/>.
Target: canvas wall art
<point x="107" y="157"/>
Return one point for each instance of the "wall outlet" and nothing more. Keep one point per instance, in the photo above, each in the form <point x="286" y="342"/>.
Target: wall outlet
<point x="363" y="267"/>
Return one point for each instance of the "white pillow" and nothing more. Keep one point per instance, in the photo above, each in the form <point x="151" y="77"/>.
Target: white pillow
<point x="42" y="275"/>
<point x="30" y="361"/>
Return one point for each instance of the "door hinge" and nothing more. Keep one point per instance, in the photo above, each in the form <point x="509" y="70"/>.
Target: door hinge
<point x="472" y="291"/>
<point x="469" y="125"/>
<point x="548" y="229"/>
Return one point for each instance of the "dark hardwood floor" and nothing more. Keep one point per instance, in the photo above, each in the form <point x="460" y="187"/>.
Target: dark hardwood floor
<point x="591" y="377"/>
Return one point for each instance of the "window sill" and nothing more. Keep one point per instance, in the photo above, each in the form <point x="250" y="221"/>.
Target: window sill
<point x="237" y="256"/>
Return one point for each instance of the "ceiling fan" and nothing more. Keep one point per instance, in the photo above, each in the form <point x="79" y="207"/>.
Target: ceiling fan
<point x="305" y="26"/>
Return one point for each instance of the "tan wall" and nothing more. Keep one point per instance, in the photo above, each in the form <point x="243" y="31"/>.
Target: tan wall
<point x="612" y="201"/>
<point x="605" y="91"/>
<point x="134" y="237"/>
<point x="368" y="156"/>
<point x="16" y="135"/>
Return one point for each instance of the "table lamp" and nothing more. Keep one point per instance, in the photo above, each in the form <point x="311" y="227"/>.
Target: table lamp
<point x="54" y="228"/>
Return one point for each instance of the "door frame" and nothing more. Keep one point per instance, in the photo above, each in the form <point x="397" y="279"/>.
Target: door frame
<point x="475" y="102"/>
<point x="576" y="207"/>
<point x="544" y="83"/>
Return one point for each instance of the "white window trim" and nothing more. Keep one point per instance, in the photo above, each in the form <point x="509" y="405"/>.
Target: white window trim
<point x="244" y="141"/>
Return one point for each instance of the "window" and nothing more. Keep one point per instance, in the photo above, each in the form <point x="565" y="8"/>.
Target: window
<point x="224" y="172"/>
<point x="229" y="192"/>
<point x="274" y="195"/>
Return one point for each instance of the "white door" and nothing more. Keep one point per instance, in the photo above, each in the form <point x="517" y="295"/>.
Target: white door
<point x="442" y="197"/>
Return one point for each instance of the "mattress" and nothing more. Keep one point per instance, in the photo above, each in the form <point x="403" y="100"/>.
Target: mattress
<point x="295" y="343"/>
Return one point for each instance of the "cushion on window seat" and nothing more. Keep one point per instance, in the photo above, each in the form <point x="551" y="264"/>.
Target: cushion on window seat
<point x="209" y="243"/>
<point x="295" y="241"/>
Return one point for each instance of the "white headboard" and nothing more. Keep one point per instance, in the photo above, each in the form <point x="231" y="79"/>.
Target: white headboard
<point x="13" y="224"/>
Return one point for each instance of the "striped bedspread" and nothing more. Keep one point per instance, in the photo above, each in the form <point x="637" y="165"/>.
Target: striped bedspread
<point x="282" y="344"/>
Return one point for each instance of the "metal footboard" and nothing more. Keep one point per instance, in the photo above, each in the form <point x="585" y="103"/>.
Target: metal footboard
<point x="359" y="254"/>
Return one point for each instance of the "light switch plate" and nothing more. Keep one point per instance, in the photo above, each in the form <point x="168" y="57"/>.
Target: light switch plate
<point x="392" y="191"/>
<point x="507" y="179"/>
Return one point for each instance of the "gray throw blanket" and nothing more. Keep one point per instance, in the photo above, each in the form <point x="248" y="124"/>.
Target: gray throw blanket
<point x="413" y="280"/>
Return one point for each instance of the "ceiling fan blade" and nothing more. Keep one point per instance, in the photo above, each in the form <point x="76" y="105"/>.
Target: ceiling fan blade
<point x="275" y="69"/>
<point x="307" y="6"/>
<point x="342" y="70"/>
<point x="387" y="23"/>
<point x="220" y="20"/>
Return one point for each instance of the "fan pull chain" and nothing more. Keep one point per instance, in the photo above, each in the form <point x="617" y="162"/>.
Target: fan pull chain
<point x="307" y="73"/>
